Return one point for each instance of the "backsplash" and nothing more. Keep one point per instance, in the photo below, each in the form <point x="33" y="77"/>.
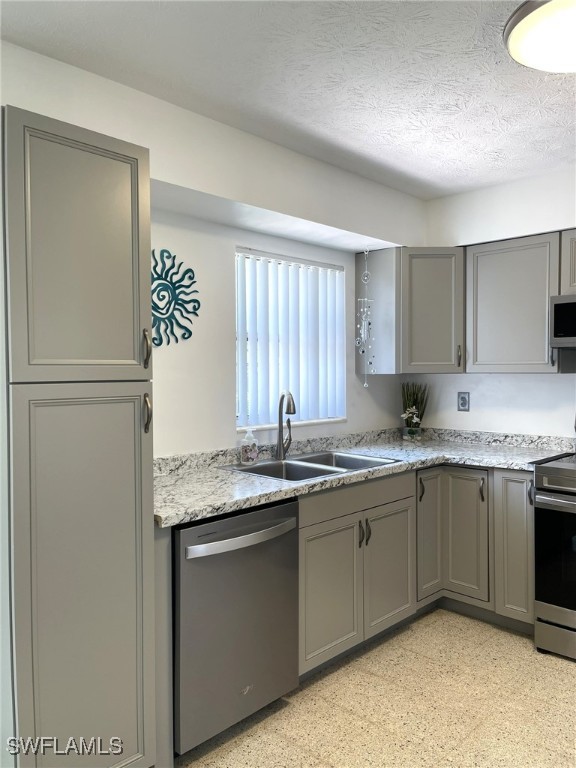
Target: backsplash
<point x="553" y="442"/>
<point x="189" y="462"/>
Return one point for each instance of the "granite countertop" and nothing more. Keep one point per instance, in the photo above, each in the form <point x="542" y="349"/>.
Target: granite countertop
<point x="189" y="494"/>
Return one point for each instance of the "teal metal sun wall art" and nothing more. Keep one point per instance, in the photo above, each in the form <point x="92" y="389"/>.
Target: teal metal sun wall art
<point x="172" y="299"/>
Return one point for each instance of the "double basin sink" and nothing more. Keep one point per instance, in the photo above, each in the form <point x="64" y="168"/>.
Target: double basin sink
<point x="312" y="465"/>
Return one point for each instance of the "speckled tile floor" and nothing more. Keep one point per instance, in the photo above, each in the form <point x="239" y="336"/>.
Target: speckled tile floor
<point x="446" y="691"/>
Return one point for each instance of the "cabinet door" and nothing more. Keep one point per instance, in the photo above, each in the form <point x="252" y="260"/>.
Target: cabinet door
<point x="77" y="215"/>
<point x="429" y="532"/>
<point x="330" y="590"/>
<point x="509" y="285"/>
<point x="514" y="545"/>
<point x="568" y="261"/>
<point x="83" y="589"/>
<point x="465" y="533"/>
<point x="389" y="565"/>
<point x="432" y="337"/>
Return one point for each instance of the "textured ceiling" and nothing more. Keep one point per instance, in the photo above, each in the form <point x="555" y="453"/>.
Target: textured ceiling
<point x="417" y="94"/>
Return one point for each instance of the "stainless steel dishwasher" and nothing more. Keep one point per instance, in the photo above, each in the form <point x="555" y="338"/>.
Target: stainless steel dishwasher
<point x="236" y="619"/>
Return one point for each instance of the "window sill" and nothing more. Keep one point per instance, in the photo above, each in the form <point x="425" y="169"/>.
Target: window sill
<point x="294" y="424"/>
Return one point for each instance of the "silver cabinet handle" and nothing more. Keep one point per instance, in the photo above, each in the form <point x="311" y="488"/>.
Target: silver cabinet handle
<point x="531" y="492"/>
<point x="148" y="407"/>
<point x="147" y="347"/>
<point x="368" y="531"/>
<point x="482" y="481"/>
<point x="422" y="489"/>
<point x="240" y="542"/>
<point x="459" y="355"/>
<point x="361" y="533"/>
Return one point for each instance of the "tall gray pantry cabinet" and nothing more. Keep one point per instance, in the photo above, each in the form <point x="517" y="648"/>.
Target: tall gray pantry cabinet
<point x="77" y="234"/>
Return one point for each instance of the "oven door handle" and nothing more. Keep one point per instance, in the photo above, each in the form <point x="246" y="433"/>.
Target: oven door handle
<point x="553" y="502"/>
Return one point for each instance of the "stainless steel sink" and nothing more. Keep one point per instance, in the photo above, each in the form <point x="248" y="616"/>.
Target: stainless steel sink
<point x="310" y="465"/>
<point x="287" y="470"/>
<point x="346" y="461"/>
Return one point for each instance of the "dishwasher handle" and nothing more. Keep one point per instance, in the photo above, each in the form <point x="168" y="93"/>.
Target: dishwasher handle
<point x="239" y="542"/>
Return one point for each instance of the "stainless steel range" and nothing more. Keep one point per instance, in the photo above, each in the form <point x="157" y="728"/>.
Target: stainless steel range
<point x="555" y="554"/>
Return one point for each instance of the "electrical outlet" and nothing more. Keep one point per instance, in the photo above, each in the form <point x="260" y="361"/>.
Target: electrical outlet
<point x="463" y="401"/>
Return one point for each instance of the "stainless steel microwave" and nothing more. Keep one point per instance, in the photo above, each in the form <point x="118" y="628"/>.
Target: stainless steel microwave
<point x="563" y="321"/>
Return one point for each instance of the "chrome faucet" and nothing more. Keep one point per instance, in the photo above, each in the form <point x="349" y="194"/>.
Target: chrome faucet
<point x="282" y="444"/>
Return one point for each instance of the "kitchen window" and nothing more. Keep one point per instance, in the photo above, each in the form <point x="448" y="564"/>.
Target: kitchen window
<point x="290" y="335"/>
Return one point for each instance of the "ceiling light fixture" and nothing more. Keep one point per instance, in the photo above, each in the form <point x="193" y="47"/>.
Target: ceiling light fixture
<point x="542" y="35"/>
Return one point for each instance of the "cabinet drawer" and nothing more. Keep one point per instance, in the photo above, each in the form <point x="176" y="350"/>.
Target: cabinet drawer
<point x="318" y="507"/>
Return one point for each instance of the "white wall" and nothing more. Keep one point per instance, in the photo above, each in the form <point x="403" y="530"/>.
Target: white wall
<point x="197" y="153"/>
<point x="194" y="380"/>
<point x="524" y="207"/>
<point x="519" y="403"/>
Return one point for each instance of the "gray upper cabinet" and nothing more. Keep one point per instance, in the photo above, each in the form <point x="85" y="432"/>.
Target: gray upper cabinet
<point x="78" y="253"/>
<point x="508" y="288"/>
<point x="83" y="577"/>
<point x="416" y="310"/>
<point x="432" y="316"/>
<point x="514" y="545"/>
<point x="568" y="261"/>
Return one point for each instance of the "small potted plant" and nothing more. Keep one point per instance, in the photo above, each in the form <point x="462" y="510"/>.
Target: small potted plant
<point x="414" y="401"/>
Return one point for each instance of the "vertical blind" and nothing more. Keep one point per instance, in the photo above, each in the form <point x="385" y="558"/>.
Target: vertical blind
<point x="290" y="335"/>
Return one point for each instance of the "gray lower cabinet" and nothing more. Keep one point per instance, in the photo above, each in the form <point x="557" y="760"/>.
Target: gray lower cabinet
<point x="83" y="575"/>
<point x="389" y="565"/>
<point x="331" y="578"/>
<point x="514" y="545"/>
<point x="77" y="228"/>
<point x="429" y="492"/>
<point x="465" y="552"/>
<point x="453" y="552"/>
<point x="357" y="566"/>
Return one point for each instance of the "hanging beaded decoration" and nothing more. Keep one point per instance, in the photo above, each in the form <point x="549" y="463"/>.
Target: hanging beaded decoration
<point x="364" y="338"/>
